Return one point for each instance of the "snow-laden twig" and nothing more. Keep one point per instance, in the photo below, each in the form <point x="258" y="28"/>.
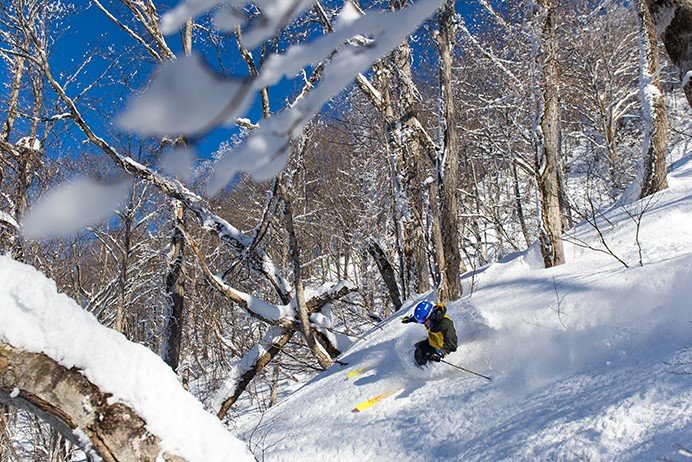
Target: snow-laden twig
<point x="265" y="152"/>
<point x="489" y="55"/>
<point x="8" y="219"/>
<point x="265" y="311"/>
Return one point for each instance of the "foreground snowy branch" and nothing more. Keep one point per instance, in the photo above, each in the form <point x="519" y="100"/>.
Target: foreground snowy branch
<point x="172" y="106"/>
<point x="237" y="241"/>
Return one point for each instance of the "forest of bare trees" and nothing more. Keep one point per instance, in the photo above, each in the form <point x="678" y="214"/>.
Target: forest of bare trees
<point x="495" y="126"/>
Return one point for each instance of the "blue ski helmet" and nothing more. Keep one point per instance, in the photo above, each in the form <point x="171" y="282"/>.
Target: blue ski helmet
<point x="422" y="311"/>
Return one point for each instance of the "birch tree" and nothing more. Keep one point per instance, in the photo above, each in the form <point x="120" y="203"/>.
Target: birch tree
<point x="448" y="160"/>
<point x="546" y="137"/>
<point x="653" y="103"/>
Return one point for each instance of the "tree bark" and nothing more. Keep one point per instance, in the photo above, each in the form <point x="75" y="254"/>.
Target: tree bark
<point x="69" y="402"/>
<point x="378" y="254"/>
<point x="175" y="292"/>
<point x="653" y="102"/>
<point x="518" y="205"/>
<point x="322" y="358"/>
<point x="175" y="276"/>
<point x="413" y="160"/>
<point x="402" y="203"/>
<point x="14" y="98"/>
<point x="448" y="170"/>
<point x="676" y="35"/>
<point x="123" y="271"/>
<point x="547" y="142"/>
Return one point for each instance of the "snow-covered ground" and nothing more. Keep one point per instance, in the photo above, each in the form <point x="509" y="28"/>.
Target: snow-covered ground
<point x="590" y="361"/>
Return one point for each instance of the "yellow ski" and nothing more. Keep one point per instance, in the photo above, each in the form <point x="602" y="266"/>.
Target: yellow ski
<point x="357" y="372"/>
<point x="374" y="400"/>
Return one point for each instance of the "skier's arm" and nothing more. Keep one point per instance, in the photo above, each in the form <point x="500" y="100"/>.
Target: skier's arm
<point x="450" y="337"/>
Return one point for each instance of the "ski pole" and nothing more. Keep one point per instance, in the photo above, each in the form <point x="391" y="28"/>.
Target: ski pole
<point x="465" y="370"/>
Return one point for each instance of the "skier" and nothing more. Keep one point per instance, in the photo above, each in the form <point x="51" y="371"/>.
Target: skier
<point x="442" y="336"/>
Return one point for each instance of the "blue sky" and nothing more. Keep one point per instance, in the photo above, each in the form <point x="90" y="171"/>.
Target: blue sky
<point x="88" y="29"/>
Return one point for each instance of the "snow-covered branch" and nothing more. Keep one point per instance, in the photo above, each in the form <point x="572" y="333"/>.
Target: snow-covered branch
<point x="265" y="311"/>
<point x="237" y="241"/>
<point x="7" y="219"/>
<point x="172" y="107"/>
<point x="489" y="55"/>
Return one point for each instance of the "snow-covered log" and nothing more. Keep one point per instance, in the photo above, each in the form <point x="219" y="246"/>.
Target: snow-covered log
<point x="253" y="362"/>
<point x="111" y="396"/>
<point x="77" y="408"/>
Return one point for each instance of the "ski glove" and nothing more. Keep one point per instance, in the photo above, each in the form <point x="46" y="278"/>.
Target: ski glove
<point x="407" y="319"/>
<point x="436" y="355"/>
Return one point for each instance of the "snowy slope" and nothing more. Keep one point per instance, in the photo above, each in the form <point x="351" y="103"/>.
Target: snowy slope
<point x="591" y="361"/>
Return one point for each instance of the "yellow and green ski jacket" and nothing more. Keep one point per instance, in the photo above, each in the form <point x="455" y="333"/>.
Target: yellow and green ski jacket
<point x="441" y="332"/>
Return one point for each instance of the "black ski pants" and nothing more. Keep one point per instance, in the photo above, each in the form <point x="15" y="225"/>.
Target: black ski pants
<point x="423" y="352"/>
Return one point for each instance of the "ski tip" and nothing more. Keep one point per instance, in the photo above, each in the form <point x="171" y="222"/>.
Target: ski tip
<point x="356" y="372"/>
<point x="375" y="399"/>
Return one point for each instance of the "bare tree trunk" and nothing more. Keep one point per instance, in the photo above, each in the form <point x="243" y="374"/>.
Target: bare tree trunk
<point x="14" y="97"/>
<point x="175" y="292"/>
<point x="402" y="204"/>
<point x="547" y="142"/>
<point x="29" y="153"/>
<point x="518" y="205"/>
<point x="611" y="148"/>
<point x="413" y="160"/>
<point x="448" y="171"/>
<point x="68" y="401"/>
<point x="653" y="102"/>
<point x="565" y="207"/>
<point x="435" y="233"/>
<point x="121" y="307"/>
<point x="322" y="357"/>
<point x="274" y="394"/>
<point x="7" y="449"/>
<point x="676" y="35"/>
<point x="175" y="277"/>
<point x="378" y="254"/>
